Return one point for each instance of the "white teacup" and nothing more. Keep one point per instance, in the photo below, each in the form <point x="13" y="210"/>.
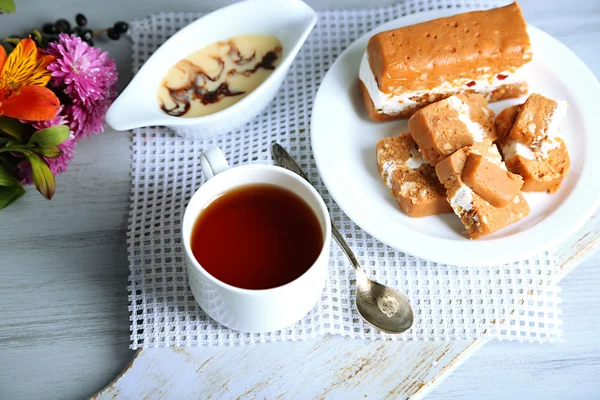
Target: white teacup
<point x="250" y="310"/>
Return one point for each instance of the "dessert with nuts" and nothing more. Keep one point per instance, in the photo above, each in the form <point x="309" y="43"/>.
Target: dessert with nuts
<point x="448" y="125"/>
<point x="410" y="178"/>
<point x="529" y="138"/>
<point x="474" y="201"/>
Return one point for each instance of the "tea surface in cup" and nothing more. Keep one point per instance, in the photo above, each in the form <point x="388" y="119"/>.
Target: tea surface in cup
<point x="257" y="236"/>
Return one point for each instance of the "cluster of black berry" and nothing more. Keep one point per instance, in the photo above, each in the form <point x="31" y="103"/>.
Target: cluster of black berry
<point x="51" y="31"/>
<point x="119" y="28"/>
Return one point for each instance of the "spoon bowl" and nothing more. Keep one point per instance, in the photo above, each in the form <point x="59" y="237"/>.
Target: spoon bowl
<point x="382" y="306"/>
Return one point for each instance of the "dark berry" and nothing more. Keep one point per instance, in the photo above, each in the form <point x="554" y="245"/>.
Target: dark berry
<point x="112" y="34"/>
<point x="49" y="29"/>
<point x="62" y="25"/>
<point x="121" y="27"/>
<point x="81" y="20"/>
<point x="87" y="34"/>
<point x="78" y="31"/>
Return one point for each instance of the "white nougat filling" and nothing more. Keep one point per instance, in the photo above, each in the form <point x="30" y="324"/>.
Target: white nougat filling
<point x="462" y="200"/>
<point x="387" y="171"/>
<point x="388" y="103"/>
<point x="554" y="121"/>
<point x="464" y="116"/>
<point x="414" y="162"/>
<point x="514" y="148"/>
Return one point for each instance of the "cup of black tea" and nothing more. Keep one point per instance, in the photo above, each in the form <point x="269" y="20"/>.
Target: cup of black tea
<point x="256" y="239"/>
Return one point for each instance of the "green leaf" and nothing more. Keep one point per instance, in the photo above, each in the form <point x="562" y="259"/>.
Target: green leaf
<point x="48" y="152"/>
<point x="12" y="40"/>
<point x="43" y="179"/>
<point x="9" y="194"/>
<point x="12" y="127"/>
<point x="14" y="147"/>
<point x="7" y="6"/>
<point x="10" y="188"/>
<point x="50" y="137"/>
<point x="7" y="179"/>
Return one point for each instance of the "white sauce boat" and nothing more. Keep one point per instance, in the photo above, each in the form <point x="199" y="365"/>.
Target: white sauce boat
<point x="289" y="20"/>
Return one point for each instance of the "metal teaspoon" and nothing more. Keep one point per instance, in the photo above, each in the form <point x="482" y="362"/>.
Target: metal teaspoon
<point x="379" y="305"/>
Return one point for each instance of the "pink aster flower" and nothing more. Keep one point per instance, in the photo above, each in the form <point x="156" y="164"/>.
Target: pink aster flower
<point x="87" y="73"/>
<point x="89" y="77"/>
<point x="86" y="121"/>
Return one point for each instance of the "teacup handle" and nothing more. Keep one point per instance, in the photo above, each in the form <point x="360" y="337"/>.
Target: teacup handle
<point x="213" y="162"/>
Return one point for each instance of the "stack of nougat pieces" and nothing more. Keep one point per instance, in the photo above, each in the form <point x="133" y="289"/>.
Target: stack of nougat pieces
<point x="459" y="158"/>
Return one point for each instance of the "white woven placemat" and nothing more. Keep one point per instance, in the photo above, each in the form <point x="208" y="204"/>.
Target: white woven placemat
<point x="514" y="302"/>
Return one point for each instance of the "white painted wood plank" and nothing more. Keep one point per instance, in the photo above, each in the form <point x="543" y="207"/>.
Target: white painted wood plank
<point x="329" y="367"/>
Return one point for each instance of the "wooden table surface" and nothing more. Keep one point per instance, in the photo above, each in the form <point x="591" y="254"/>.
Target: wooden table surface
<point x="64" y="324"/>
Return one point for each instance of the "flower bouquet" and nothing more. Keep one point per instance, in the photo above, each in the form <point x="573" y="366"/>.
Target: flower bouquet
<point x="53" y="92"/>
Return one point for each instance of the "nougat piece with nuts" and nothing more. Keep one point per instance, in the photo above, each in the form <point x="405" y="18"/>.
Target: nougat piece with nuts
<point x="411" y="180"/>
<point x="479" y="217"/>
<point x="491" y="181"/>
<point x="442" y="128"/>
<point x="529" y="139"/>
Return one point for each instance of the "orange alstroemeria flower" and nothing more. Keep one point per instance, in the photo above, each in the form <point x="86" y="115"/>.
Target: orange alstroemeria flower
<point x="23" y="80"/>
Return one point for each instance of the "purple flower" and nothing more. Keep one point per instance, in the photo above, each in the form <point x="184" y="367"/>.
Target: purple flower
<point x="86" y="120"/>
<point x="87" y="73"/>
<point x="89" y="77"/>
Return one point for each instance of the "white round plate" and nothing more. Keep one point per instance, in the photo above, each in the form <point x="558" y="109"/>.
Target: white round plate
<point x="344" y="140"/>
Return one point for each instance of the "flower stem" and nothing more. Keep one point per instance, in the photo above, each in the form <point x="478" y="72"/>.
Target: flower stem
<point x="20" y="149"/>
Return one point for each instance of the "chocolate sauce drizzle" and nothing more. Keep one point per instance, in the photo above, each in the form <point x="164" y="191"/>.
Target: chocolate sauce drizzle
<point x="195" y="88"/>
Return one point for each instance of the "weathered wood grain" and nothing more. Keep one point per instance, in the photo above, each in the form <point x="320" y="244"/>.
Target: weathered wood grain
<point x="63" y="266"/>
<point x="331" y="367"/>
<point x="64" y="323"/>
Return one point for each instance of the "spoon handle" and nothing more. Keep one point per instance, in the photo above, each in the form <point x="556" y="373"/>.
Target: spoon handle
<point x="283" y="159"/>
<point x="349" y="253"/>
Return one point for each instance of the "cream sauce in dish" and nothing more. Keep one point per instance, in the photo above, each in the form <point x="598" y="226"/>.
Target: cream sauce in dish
<point x="218" y="75"/>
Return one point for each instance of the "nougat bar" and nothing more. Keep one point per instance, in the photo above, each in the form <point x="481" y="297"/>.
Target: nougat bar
<point x="404" y="69"/>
